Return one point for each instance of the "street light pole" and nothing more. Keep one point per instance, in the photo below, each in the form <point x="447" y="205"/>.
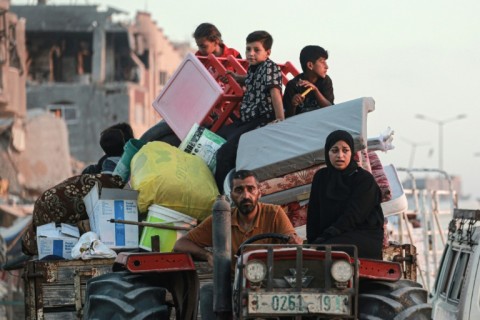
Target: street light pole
<point x="440" y="124"/>
<point x="414" y="146"/>
<point x="440" y="145"/>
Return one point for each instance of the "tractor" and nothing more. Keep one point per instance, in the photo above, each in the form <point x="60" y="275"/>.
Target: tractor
<point x="273" y="281"/>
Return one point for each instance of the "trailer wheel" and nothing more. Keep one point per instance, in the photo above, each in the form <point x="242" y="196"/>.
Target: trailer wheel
<point x="122" y="296"/>
<point x="400" y="300"/>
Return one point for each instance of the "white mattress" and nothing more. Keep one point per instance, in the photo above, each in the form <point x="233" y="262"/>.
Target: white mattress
<point x="399" y="202"/>
<point x="297" y="142"/>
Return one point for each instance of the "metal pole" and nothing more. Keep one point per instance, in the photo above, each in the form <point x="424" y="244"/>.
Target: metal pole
<point x="440" y="132"/>
<point x="150" y="224"/>
<point x="440" y="145"/>
<point x="222" y="253"/>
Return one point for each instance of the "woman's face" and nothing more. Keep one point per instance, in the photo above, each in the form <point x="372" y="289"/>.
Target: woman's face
<point x="340" y="155"/>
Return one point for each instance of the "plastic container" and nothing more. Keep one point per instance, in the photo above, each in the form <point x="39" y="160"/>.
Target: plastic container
<point x="159" y="214"/>
<point x="129" y="150"/>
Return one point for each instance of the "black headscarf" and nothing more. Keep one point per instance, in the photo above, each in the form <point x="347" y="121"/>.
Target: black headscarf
<point x="338" y="187"/>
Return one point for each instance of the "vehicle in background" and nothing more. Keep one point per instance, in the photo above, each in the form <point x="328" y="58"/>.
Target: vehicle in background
<point x="456" y="293"/>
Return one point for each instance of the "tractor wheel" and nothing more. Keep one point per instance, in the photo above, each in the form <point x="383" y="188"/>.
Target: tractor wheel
<point x="122" y="296"/>
<point x="401" y="300"/>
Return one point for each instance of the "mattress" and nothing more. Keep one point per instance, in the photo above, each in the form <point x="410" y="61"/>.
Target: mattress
<point x="290" y="180"/>
<point x="290" y="195"/>
<point x="378" y="173"/>
<point x="297" y="143"/>
<point x="297" y="212"/>
<point x="398" y="202"/>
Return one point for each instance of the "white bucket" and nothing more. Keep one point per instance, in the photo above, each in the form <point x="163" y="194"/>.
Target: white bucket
<point x="159" y="214"/>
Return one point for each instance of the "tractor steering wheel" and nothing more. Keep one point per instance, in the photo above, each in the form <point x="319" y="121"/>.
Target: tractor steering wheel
<point x="258" y="237"/>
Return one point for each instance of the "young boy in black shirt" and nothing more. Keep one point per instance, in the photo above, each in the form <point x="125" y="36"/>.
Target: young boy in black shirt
<point x="312" y="89"/>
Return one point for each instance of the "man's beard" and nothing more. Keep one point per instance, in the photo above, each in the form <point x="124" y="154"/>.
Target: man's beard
<point x="246" y="206"/>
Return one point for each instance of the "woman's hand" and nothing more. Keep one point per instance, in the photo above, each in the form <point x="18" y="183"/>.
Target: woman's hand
<point x="331" y="232"/>
<point x="319" y="240"/>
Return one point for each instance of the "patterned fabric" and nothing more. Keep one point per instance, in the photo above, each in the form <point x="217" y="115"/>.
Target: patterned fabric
<point x="296" y="212"/>
<point x="290" y="180"/>
<point x="64" y="204"/>
<point x="257" y="100"/>
<point x="363" y="161"/>
<point x="305" y="176"/>
<point x="379" y="175"/>
<point x="386" y="236"/>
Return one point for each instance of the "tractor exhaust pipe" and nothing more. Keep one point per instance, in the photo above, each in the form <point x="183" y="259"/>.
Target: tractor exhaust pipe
<point x="222" y="256"/>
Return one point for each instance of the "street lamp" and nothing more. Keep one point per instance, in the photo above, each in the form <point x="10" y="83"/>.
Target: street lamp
<point x="414" y="146"/>
<point x="440" y="123"/>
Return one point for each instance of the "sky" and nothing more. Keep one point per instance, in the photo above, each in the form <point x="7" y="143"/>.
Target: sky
<point x="413" y="57"/>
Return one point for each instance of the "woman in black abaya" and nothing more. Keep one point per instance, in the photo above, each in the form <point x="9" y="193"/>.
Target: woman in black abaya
<point x="344" y="203"/>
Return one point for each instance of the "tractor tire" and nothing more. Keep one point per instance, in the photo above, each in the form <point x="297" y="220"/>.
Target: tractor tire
<point x="400" y="300"/>
<point x="122" y="296"/>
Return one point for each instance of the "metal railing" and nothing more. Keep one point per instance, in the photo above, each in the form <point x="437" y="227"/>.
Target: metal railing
<point x="425" y="222"/>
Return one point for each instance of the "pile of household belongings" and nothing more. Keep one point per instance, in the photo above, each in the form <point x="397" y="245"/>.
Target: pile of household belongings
<point x="284" y="155"/>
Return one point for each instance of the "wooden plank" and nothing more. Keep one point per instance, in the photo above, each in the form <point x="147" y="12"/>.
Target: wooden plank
<point x="50" y="286"/>
<point x="62" y="315"/>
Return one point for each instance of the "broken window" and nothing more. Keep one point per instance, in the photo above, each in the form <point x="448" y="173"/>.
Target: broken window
<point x="12" y="48"/>
<point x="66" y="111"/>
<point x="59" y="57"/>
<point x="84" y="58"/>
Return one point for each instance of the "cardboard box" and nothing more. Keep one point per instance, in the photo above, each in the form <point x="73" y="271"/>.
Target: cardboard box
<point x="58" y="241"/>
<point x="203" y="143"/>
<point x="120" y="204"/>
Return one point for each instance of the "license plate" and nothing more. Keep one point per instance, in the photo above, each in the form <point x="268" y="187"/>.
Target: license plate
<point x="276" y="303"/>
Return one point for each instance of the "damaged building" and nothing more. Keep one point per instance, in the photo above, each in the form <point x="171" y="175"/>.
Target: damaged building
<point x="66" y="73"/>
<point x="34" y="152"/>
<point x="90" y="67"/>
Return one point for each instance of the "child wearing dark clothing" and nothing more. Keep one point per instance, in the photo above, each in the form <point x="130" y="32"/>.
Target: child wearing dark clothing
<point x="312" y="89"/>
<point x="112" y="141"/>
<point x="262" y="101"/>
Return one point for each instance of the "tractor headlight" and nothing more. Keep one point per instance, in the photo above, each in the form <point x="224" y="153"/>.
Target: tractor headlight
<point x="255" y="271"/>
<point x="341" y="271"/>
